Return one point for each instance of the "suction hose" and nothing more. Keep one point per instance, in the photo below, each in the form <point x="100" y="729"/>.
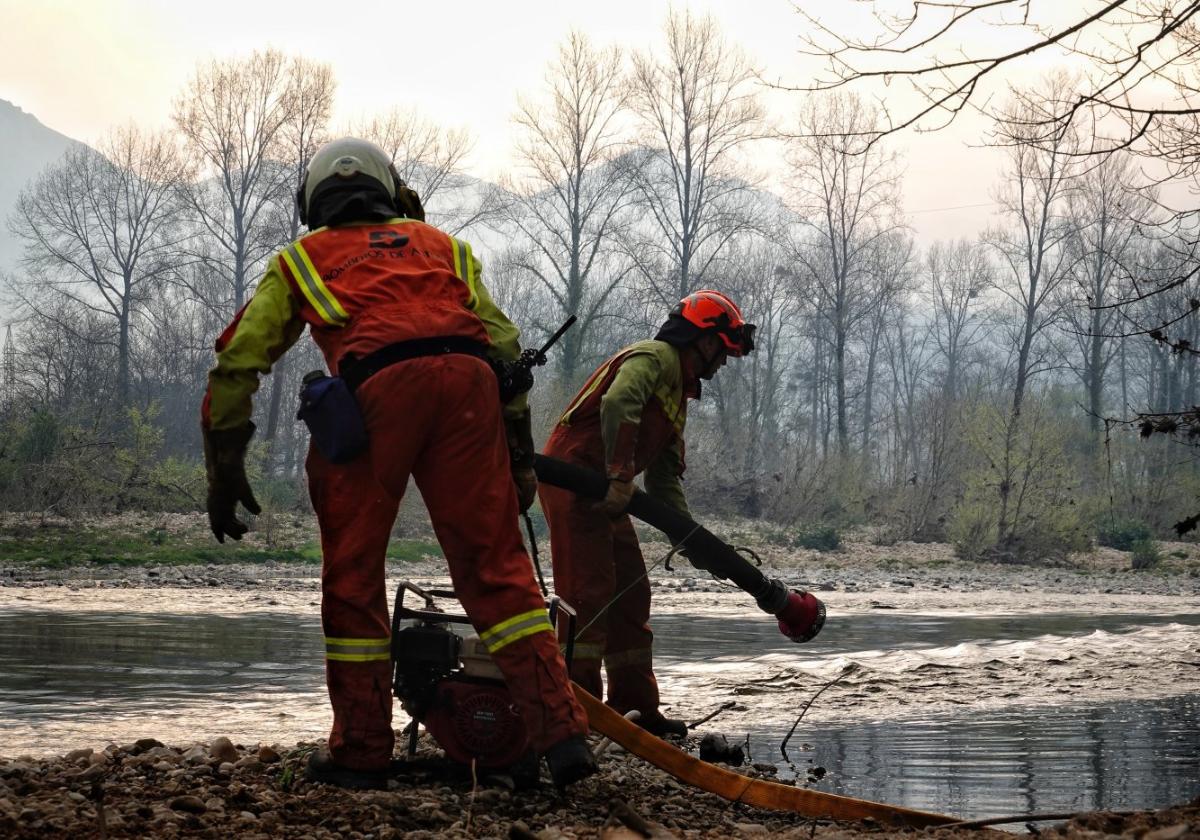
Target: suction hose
<point x="800" y="614"/>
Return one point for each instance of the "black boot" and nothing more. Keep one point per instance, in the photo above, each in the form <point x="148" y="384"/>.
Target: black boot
<point x="663" y="727"/>
<point x="321" y="768"/>
<point x="570" y="760"/>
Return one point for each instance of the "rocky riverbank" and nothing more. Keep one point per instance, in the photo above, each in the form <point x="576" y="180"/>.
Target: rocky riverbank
<point x="221" y="789"/>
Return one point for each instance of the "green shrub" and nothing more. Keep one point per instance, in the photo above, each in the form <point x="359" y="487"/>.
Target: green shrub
<point x="1052" y="536"/>
<point x="1124" y="534"/>
<point x="1144" y="554"/>
<point x="816" y="537"/>
<point x="971" y="529"/>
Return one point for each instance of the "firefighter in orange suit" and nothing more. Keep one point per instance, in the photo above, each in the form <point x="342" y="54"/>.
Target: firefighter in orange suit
<point x="628" y="419"/>
<point x="399" y="311"/>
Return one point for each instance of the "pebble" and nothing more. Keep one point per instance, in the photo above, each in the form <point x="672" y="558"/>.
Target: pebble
<point x="1171" y="832"/>
<point x="750" y="828"/>
<point x="190" y="804"/>
<point x="223" y="749"/>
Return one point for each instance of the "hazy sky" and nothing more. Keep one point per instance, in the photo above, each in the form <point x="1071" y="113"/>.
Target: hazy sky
<point x="82" y="66"/>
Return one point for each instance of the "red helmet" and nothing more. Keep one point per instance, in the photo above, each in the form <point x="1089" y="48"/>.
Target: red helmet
<point x="713" y="311"/>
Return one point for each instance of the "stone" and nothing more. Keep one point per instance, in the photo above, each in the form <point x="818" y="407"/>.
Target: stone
<point x="91" y="774"/>
<point x="75" y="755"/>
<point x="142" y="745"/>
<point x="1170" y="832"/>
<point x="196" y="755"/>
<point x="223" y="749"/>
<point x="750" y="828"/>
<point x="268" y="755"/>
<point x="189" y="804"/>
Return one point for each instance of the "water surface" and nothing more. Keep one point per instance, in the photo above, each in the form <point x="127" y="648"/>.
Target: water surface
<point x="71" y="679"/>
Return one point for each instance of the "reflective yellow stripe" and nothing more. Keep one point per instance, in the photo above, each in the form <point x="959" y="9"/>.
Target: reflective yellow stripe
<point x="627" y="658"/>
<point x="517" y="627"/>
<point x="357" y="650"/>
<point x="464" y="268"/>
<point x="588" y="650"/>
<point x="565" y="420"/>
<point x="672" y="406"/>
<point x="314" y="289"/>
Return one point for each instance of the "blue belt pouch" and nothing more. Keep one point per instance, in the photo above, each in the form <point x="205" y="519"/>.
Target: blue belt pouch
<point x="333" y="417"/>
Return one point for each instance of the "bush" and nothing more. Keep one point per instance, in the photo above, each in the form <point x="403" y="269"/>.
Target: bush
<point x="972" y="529"/>
<point x="816" y="537"/>
<point x="1124" y="534"/>
<point x="1144" y="554"/>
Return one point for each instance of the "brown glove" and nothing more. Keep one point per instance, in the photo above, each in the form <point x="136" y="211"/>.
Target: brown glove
<point x="616" y="500"/>
<point x="225" y="463"/>
<point x="526" y="481"/>
<point x="519" y="433"/>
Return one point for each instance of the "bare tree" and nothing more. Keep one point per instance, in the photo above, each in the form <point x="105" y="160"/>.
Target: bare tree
<point x="1132" y="47"/>
<point x="1034" y="259"/>
<point x="891" y="266"/>
<point x="571" y="195"/>
<point x="1106" y="217"/>
<point x="431" y="160"/>
<point x="309" y="102"/>
<point x="231" y="116"/>
<point x="101" y="228"/>
<point x="750" y="395"/>
<point x="697" y="110"/>
<point x="847" y="198"/>
<point x="959" y="275"/>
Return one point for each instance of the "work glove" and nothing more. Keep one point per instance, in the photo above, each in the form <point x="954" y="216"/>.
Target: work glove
<point x="616" y="500"/>
<point x="518" y="431"/>
<point x="525" y="480"/>
<point x="225" y="463"/>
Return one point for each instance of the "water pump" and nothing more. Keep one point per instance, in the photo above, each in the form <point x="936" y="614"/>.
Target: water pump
<point x="448" y="683"/>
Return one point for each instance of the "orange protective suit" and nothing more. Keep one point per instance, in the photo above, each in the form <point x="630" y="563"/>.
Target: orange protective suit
<point x="627" y="419"/>
<point x="360" y="288"/>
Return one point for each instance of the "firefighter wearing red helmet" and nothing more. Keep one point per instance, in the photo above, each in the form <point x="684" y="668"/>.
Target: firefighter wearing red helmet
<point x="628" y="419"/>
<point x="400" y="312"/>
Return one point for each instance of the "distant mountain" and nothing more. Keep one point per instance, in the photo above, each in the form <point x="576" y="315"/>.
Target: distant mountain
<point x="28" y="147"/>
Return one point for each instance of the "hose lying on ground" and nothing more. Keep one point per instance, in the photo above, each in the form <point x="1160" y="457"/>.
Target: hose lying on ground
<point x="738" y="788"/>
<point x="800" y="614"/>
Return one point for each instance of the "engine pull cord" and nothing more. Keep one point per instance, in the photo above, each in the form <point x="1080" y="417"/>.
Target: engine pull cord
<point x="533" y="554"/>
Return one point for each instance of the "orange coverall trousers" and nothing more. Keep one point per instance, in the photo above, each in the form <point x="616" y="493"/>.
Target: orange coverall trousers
<point x="595" y="558"/>
<point x="436" y="418"/>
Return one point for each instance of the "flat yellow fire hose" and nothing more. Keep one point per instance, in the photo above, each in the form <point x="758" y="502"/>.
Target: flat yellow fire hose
<point x="738" y="788"/>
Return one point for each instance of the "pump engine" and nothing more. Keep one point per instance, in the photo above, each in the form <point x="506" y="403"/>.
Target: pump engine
<point x="448" y="683"/>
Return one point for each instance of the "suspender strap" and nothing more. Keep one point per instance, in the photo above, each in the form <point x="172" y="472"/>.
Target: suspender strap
<point x="357" y="371"/>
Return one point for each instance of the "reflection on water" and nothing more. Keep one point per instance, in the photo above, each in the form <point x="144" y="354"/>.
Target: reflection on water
<point x="70" y="680"/>
<point x="84" y="679"/>
<point x="1121" y="756"/>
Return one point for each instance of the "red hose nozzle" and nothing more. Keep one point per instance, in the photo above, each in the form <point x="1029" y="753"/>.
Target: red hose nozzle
<point x="802" y="617"/>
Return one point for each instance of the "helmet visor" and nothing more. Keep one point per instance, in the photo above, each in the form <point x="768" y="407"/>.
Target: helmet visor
<point x="739" y="340"/>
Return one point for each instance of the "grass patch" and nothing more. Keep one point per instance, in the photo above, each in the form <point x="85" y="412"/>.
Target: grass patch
<point x="55" y="548"/>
